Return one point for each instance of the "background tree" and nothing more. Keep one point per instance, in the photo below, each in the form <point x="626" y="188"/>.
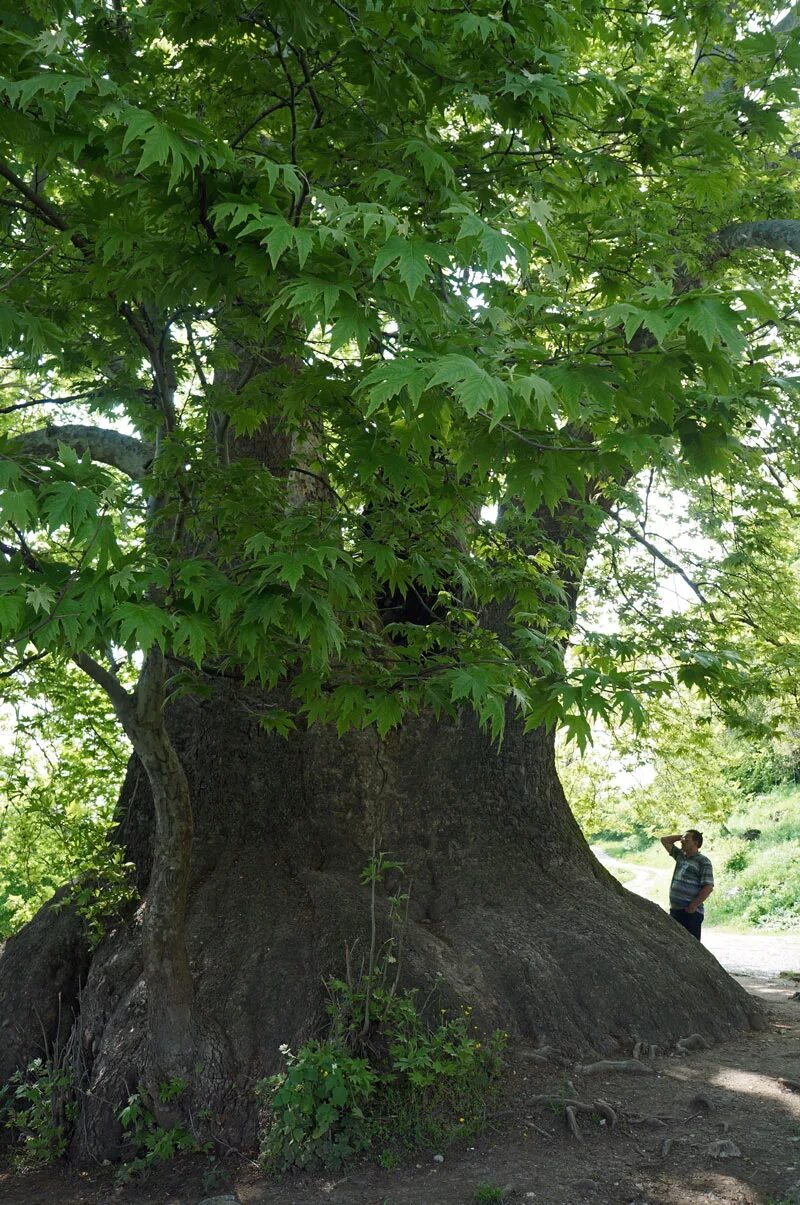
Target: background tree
<point x="289" y="294"/>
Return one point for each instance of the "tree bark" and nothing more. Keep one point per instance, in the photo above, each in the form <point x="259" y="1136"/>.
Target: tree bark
<point x="166" y="962"/>
<point x="172" y="1034"/>
<point x="510" y="912"/>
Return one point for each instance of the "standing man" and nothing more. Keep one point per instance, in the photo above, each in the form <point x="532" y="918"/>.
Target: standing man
<point x="692" y="879"/>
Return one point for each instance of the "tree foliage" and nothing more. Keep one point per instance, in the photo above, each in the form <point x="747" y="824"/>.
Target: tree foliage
<point x="449" y="257"/>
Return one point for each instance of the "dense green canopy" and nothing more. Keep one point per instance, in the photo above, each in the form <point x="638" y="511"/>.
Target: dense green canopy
<point x="291" y="291"/>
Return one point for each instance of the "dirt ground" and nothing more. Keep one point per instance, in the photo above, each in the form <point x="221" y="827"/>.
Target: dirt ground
<point x="741" y="1144"/>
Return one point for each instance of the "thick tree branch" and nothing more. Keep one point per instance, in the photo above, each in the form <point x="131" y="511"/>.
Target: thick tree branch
<point x="781" y="234"/>
<point x="23" y="664"/>
<point x="131" y="456"/>
<point x="119" y="696"/>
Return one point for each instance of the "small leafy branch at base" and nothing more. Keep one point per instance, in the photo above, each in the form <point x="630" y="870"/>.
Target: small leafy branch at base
<point x="39" y="1105"/>
<point x="385" y="1078"/>
<point x="149" y="1142"/>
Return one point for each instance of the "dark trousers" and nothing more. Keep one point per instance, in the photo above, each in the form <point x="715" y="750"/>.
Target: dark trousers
<point x="691" y="921"/>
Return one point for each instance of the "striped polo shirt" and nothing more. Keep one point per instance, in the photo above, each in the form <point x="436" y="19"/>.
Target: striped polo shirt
<point x="689" y="875"/>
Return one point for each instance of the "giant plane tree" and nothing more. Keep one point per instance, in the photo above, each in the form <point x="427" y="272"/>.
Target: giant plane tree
<point x="334" y="337"/>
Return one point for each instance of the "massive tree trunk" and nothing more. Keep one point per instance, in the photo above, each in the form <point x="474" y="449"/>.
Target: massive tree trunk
<point x="510" y="912"/>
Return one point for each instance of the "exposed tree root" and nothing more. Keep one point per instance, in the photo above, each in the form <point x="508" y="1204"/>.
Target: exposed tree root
<point x="650" y="1122"/>
<point x="632" y="1066"/>
<point x="572" y="1122"/>
<point x="572" y="1106"/>
<point x="605" y="1110"/>
<point x="544" y="1055"/>
<point x="695" y="1041"/>
<point x="723" y="1148"/>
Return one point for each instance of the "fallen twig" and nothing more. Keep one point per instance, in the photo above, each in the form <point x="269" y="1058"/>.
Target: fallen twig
<point x="538" y="1129"/>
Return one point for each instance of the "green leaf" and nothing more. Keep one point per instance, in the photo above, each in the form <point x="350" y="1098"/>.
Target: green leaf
<point x="391" y="377"/>
<point x="17" y="507"/>
<point x="433" y="162"/>
<point x="701" y="318"/>
<point x="410" y="257"/>
<point x="141" y="625"/>
<point x="471" y="384"/>
<point x="41" y="598"/>
<point x="385" y="713"/>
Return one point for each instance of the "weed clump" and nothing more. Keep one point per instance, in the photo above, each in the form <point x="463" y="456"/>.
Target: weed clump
<point x="387" y="1077"/>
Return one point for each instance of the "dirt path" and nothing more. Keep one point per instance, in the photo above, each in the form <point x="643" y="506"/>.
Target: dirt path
<point x="650" y="881"/>
<point x="761" y="955"/>
<point x="535" y="1160"/>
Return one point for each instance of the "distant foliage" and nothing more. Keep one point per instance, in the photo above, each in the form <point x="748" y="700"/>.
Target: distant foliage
<point x="736" y="862"/>
<point x="61" y="768"/>
<point x="759" y="770"/>
<point x="684" y="761"/>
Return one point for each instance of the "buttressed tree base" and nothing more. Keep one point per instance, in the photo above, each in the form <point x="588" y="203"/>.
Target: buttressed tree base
<point x="510" y="913"/>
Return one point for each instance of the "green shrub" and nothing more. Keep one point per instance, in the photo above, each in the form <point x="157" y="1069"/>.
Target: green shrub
<point x="147" y="1141"/>
<point x="761" y="770"/>
<point x="737" y="862"/>
<point x="412" y="1086"/>
<point x="318" y="1107"/>
<point x="38" y="1104"/>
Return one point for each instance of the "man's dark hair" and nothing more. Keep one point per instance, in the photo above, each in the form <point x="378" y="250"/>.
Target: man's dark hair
<point x="697" y="835"/>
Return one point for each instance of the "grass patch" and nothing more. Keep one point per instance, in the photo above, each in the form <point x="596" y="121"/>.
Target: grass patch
<point x="486" y="1193"/>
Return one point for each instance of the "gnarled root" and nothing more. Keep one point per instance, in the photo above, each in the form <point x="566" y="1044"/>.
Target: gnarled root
<point x="695" y="1041"/>
<point x="572" y="1106"/>
<point x="632" y="1066"/>
<point x="572" y="1122"/>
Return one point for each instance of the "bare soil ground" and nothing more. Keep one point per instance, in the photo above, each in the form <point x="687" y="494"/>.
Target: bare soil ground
<point x="668" y="1148"/>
